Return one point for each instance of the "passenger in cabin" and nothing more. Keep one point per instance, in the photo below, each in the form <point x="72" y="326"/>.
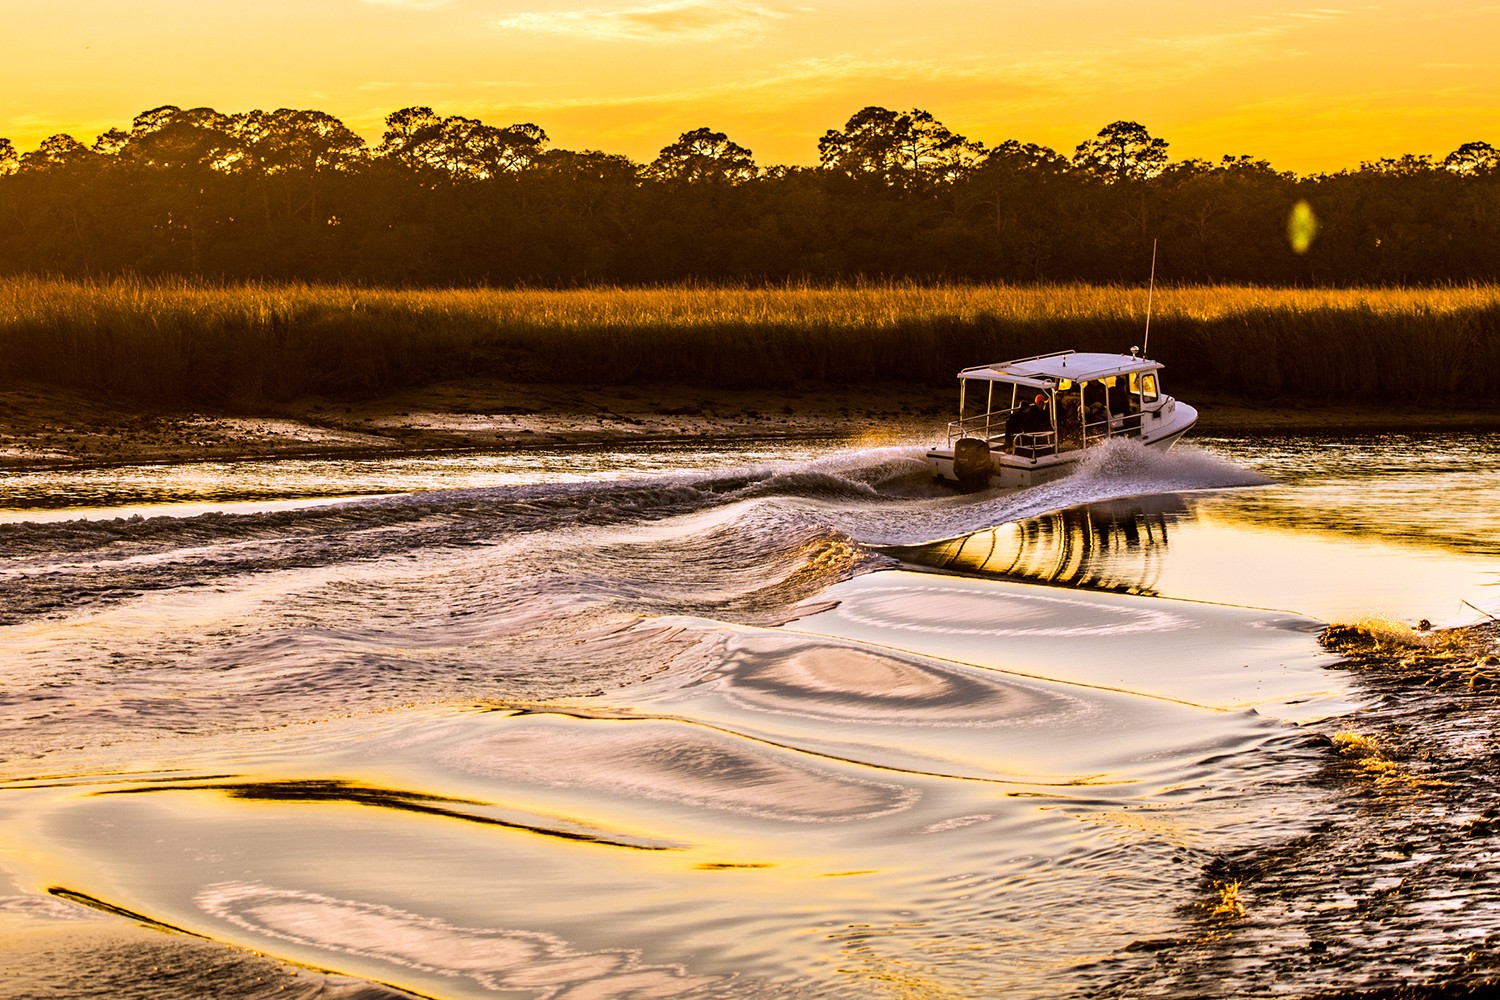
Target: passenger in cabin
<point x="1070" y="420"/>
<point x="1093" y="403"/>
<point x="1028" y="419"/>
<point x="1038" y="418"/>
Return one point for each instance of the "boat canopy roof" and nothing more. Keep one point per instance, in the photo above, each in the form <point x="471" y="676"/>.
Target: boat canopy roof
<point x="1045" y="371"/>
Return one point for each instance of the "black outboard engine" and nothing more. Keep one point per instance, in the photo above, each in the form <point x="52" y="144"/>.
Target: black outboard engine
<point x="971" y="462"/>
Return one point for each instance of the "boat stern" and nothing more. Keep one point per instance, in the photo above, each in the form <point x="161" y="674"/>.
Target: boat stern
<point x="967" y="460"/>
<point x="940" y="460"/>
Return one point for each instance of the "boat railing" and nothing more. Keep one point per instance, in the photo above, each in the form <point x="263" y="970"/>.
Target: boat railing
<point x="1034" y="444"/>
<point x="1116" y="425"/>
<point x="988" y="426"/>
<point x="1040" y="357"/>
<point x="1095" y="431"/>
<point x="1001" y="365"/>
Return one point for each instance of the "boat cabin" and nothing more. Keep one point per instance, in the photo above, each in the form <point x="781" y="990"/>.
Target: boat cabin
<point x="1055" y="402"/>
<point x="1027" y="421"/>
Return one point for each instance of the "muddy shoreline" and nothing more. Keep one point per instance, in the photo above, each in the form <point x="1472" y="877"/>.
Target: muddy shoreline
<point x="41" y="427"/>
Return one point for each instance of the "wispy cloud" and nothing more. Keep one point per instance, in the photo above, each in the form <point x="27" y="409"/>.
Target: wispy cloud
<point x="671" y="21"/>
<point x="1320" y="14"/>
<point x="796" y="84"/>
<point x="423" y="89"/>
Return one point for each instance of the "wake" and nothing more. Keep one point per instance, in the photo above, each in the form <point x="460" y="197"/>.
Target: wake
<point x="905" y="506"/>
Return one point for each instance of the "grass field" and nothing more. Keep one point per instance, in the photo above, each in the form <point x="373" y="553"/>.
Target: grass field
<point x="239" y="347"/>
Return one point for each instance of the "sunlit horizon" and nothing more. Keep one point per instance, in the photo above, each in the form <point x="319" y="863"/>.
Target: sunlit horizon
<point x="1310" y="89"/>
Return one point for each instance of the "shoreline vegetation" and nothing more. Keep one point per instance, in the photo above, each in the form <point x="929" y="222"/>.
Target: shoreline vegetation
<point x="268" y="283"/>
<point x="117" y="370"/>
<point x="241" y="347"/>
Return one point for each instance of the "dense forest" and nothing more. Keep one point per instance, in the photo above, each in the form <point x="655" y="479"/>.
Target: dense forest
<point x="296" y="195"/>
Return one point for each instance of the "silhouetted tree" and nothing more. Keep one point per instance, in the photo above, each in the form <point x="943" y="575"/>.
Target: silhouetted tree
<point x="112" y="142"/>
<point x="1122" y="151"/>
<point x="524" y="142"/>
<point x="703" y="155"/>
<point x="1473" y="158"/>
<point x="1407" y="165"/>
<point x="421" y="140"/>
<point x="897" y="147"/>
<point x="287" y="140"/>
<point x="170" y="138"/>
<point x="409" y="133"/>
<point x="1017" y="156"/>
<point x="588" y="167"/>
<point x="58" y="151"/>
<point x="10" y="161"/>
<point x="468" y="147"/>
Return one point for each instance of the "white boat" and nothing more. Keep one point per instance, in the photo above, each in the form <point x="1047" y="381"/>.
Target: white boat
<point x="1027" y="421"/>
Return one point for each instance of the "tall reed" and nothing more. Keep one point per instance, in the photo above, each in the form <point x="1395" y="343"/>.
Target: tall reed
<point x="240" y="347"/>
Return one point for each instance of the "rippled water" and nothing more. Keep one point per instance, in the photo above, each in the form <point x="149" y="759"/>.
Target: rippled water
<point x="781" y="721"/>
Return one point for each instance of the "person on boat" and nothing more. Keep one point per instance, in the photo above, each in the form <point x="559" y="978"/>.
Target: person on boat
<point x="1039" y="417"/>
<point x="1070" y="420"/>
<point x="1026" y="419"/>
<point x="1015" y="424"/>
<point x="1093" y="403"/>
<point x="1122" y="407"/>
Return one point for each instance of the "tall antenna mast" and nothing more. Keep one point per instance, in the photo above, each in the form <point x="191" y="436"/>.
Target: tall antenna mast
<point x="1149" y="289"/>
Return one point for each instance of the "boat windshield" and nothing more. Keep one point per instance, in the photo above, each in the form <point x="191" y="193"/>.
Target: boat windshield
<point x="1144" y="384"/>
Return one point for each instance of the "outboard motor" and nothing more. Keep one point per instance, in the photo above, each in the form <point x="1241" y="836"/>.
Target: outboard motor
<point x="971" y="462"/>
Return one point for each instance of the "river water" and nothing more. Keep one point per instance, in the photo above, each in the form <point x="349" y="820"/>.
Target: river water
<point x="780" y="721"/>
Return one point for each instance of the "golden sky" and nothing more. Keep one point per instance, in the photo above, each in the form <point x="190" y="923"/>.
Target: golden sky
<point x="1310" y="86"/>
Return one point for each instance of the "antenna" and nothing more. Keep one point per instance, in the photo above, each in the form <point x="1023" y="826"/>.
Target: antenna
<point x="1149" y="289"/>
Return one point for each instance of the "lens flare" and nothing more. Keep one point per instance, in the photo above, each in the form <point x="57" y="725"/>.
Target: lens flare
<point x="1301" y="227"/>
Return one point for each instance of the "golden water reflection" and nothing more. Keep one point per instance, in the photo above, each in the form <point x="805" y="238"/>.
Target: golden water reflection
<point x="1205" y="547"/>
<point x="1109" y="546"/>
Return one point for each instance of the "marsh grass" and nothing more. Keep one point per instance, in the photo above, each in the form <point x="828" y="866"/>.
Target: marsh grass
<point x="245" y="346"/>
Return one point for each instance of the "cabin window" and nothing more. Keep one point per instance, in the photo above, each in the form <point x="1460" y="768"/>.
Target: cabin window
<point x="1145" y="385"/>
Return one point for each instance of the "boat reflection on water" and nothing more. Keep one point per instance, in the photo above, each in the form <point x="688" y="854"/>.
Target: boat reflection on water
<point x="1118" y="545"/>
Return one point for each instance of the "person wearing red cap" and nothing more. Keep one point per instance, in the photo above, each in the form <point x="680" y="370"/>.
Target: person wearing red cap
<point x="1038" y="417"/>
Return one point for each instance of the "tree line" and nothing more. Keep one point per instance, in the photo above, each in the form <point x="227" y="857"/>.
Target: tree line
<point x="448" y="200"/>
